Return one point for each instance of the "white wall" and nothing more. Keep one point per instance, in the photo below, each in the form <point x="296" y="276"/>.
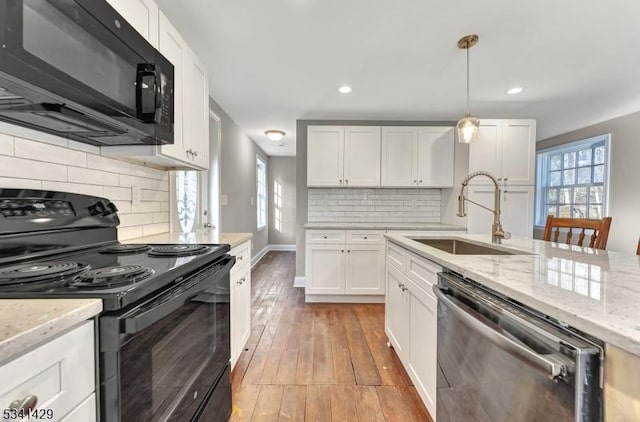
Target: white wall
<point x="35" y="160"/>
<point x="624" y="191"/>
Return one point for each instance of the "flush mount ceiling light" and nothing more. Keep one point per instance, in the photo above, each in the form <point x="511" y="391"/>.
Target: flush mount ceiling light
<point x="515" y="90"/>
<point x="274" y="135"/>
<point x="468" y="126"/>
<point x="344" y="89"/>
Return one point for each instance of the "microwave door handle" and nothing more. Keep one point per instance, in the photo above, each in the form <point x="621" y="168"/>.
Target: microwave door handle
<point x="138" y="320"/>
<point x="145" y="70"/>
<point x="553" y="368"/>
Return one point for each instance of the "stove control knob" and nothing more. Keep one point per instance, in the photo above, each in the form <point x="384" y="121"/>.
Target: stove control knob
<point x="97" y="208"/>
<point x="111" y="208"/>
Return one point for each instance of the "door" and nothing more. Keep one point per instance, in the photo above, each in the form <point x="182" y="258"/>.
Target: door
<point x="362" y="156"/>
<point x="518" y="152"/>
<point x="365" y="270"/>
<point x="325" y="269"/>
<point x="397" y="312"/>
<point x="485" y="152"/>
<point x="518" y="205"/>
<point x="196" y="107"/>
<point x="398" y="156"/>
<point x="479" y="220"/>
<point x="435" y="157"/>
<point x="325" y="148"/>
<point x="142" y="15"/>
<point x="174" y="48"/>
<point x="423" y="364"/>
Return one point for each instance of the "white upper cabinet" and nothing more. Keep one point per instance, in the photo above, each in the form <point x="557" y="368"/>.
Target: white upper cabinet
<point x="417" y="156"/>
<point x="516" y="201"/>
<point x="195" y="132"/>
<point x="142" y="15"/>
<point x="506" y="149"/>
<point x="343" y="156"/>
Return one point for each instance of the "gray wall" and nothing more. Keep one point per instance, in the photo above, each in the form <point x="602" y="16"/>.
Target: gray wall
<point x="238" y="180"/>
<point x="624" y="193"/>
<point x="301" y="170"/>
<point x="283" y="171"/>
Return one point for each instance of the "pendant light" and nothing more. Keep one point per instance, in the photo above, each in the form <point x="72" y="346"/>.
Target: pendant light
<point x="468" y="126"/>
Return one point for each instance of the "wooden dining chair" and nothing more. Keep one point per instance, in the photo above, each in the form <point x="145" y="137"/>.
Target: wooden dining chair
<point x="638" y="250"/>
<point x="597" y="240"/>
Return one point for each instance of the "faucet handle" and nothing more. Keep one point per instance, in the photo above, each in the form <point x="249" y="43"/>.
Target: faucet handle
<point x="506" y="235"/>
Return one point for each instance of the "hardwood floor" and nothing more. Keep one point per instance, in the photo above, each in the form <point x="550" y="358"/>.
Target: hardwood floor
<point x="317" y="362"/>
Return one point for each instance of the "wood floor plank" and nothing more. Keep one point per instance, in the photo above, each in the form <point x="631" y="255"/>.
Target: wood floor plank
<point x="368" y="404"/>
<point x="268" y="405"/>
<point x="245" y="397"/>
<point x="304" y="371"/>
<point x="293" y="403"/>
<point x="323" y="372"/>
<point x="398" y="405"/>
<point x="364" y="366"/>
<point x="340" y="349"/>
<point x="343" y="404"/>
<point x="318" y="404"/>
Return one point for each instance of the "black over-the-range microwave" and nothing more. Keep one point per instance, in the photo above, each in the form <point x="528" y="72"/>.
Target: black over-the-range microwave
<point x="78" y="69"/>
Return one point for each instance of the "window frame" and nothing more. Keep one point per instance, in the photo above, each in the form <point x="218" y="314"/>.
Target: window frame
<point x="543" y="170"/>
<point x="261" y="194"/>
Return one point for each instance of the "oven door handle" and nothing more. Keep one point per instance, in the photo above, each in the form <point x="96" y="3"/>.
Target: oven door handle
<point x="171" y="300"/>
<point x="553" y="368"/>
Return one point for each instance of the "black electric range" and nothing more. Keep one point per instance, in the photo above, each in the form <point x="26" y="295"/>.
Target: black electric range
<point x="164" y="332"/>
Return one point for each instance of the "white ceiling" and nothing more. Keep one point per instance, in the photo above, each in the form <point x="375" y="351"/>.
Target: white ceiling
<point x="275" y="61"/>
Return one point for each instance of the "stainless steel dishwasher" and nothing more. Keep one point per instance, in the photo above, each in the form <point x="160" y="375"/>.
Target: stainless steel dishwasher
<point x="500" y="361"/>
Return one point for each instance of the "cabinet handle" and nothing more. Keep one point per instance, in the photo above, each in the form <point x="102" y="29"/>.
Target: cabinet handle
<point x="365" y="238"/>
<point x="420" y="181"/>
<point x="346" y="181"/>
<point x="240" y="257"/>
<point x="340" y="181"/>
<point x="506" y="178"/>
<point x="415" y="181"/>
<point x="195" y="153"/>
<point x="342" y="250"/>
<point x="348" y="250"/>
<point x="27" y="403"/>
<point x="242" y="280"/>
<point x="324" y="237"/>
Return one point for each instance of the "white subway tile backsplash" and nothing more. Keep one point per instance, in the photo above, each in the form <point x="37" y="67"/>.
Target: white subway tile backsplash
<point x="374" y="205"/>
<point x="39" y="151"/>
<point x="6" y="144"/>
<point x="35" y="160"/>
<point x="29" y="169"/>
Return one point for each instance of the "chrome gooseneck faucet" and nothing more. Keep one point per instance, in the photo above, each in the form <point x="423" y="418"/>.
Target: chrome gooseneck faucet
<point x="497" y="232"/>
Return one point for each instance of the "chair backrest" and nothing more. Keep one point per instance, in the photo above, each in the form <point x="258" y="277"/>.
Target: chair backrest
<point x="638" y="250"/>
<point x="597" y="240"/>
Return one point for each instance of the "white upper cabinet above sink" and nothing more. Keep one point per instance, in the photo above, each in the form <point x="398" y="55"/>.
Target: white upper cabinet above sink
<point x="417" y="156"/>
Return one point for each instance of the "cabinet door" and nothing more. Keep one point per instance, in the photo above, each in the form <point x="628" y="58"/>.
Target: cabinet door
<point x="325" y="146"/>
<point x="362" y="156"/>
<point x="325" y="271"/>
<point x="517" y="214"/>
<point x="435" y="157"/>
<point x="397" y="312"/>
<point x="196" y="116"/>
<point x="173" y="47"/>
<point x="423" y="363"/>
<point x="399" y="156"/>
<point x="142" y="15"/>
<point x="479" y="220"/>
<point x="240" y="310"/>
<point x="518" y="152"/>
<point x="365" y="270"/>
<point x="485" y="152"/>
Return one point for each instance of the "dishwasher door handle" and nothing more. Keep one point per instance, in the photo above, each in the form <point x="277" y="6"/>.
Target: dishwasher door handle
<point x="553" y="368"/>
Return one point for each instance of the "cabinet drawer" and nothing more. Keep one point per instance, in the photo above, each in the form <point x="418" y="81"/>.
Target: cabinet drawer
<point x="365" y="237"/>
<point x="396" y="256"/>
<point x="60" y="373"/>
<point x="85" y="412"/>
<point x="242" y="252"/>
<point x="423" y="272"/>
<point x="240" y="271"/>
<point x="325" y="237"/>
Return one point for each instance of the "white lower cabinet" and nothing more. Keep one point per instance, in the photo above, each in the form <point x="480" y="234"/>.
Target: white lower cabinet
<point x="411" y="318"/>
<point x="60" y="374"/>
<point x="240" y="300"/>
<point x="344" y="262"/>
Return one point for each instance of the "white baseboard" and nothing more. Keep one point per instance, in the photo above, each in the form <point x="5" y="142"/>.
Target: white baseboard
<point x="269" y="248"/>
<point x="344" y="298"/>
<point x="299" y="282"/>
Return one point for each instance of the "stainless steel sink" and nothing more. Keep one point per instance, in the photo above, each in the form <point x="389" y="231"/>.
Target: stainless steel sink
<point x="460" y="247"/>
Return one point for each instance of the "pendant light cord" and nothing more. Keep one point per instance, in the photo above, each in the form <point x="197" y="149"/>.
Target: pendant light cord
<point x="467" y="78"/>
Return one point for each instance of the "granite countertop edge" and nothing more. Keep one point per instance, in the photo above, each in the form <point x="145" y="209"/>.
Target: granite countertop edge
<point x="26" y="323"/>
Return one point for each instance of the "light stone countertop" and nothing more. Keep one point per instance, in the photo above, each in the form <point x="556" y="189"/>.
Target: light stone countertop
<point x="592" y="290"/>
<point x="208" y="236"/>
<point x="384" y="226"/>
<point x="25" y="323"/>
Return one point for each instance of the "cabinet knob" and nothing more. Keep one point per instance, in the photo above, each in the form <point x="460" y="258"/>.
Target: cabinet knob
<point x="420" y="181"/>
<point x="27" y="403"/>
<point x="324" y="237"/>
<point x="342" y="250"/>
<point x="240" y="257"/>
<point x="348" y="250"/>
<point x="346" y="181"/>
<point x="415" y="181"/>
<point x="365" y="238"/>
<point x="340" y="181"/>
<point x="242" y="280"/>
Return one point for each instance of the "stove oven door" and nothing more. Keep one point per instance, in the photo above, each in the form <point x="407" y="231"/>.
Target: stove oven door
<point x="173" y="348"/>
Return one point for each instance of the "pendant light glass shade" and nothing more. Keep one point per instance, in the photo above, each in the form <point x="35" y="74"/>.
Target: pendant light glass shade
<point x="469" y="126"/>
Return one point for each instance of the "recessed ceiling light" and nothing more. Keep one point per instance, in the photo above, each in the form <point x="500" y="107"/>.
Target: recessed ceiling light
<point x="344" y="89"/>
<point x="274" y="134"/>
<point x="515" y="90"/>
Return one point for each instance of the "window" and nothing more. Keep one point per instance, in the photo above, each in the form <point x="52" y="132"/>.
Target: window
<point x="277" y="205"/>
<point x="572" y="180"/>
<point x="261" y="176"/>
<point x="186" y="198"/>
